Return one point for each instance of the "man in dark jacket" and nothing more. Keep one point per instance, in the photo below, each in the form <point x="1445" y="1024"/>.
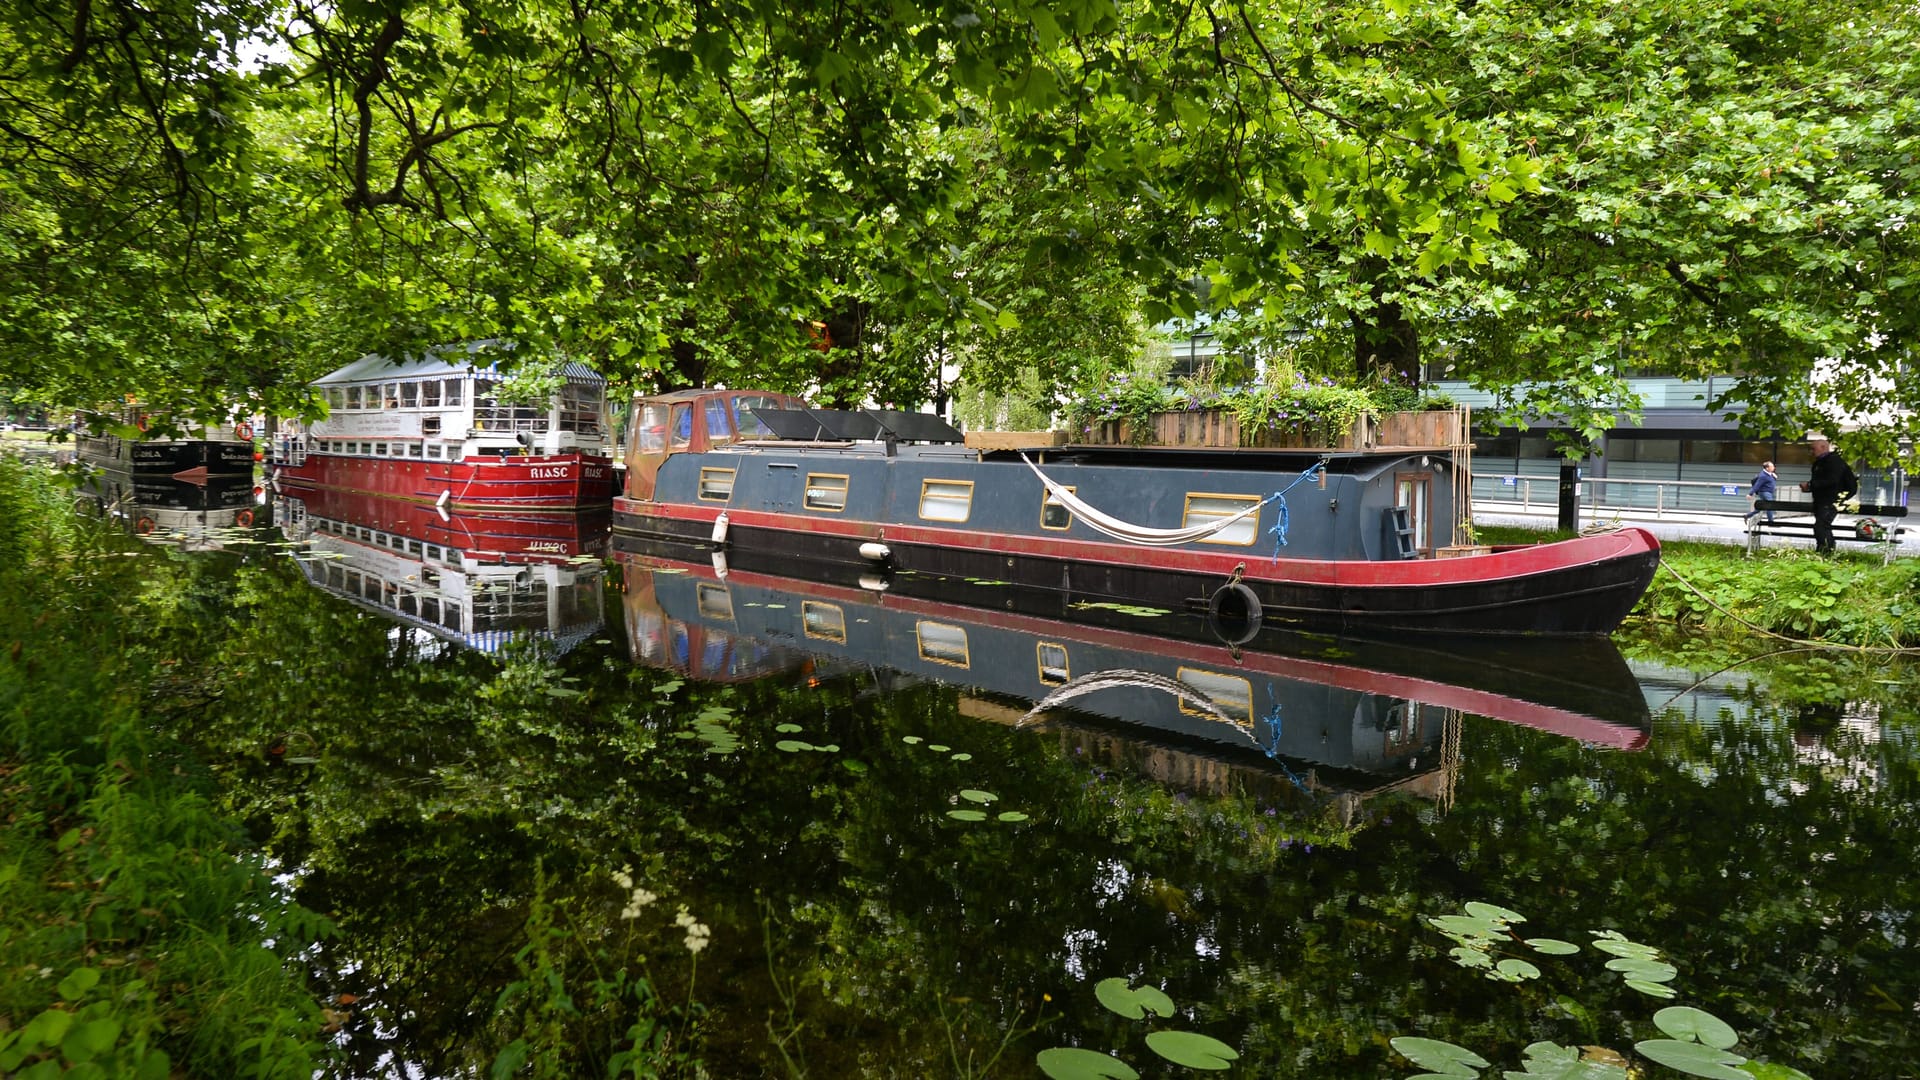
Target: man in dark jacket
<point x="1765" y="486"/>
<point x="1832" y="482"/>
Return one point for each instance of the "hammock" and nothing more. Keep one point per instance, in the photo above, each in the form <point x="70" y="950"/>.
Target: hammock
<point x="1131" y="533"/>
<point x="1129" y="677"/>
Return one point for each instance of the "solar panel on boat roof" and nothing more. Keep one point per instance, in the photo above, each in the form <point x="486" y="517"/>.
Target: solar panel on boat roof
<point x="916" y="426"/>
<point x="789" y="423"/>
<point x="840" y="424"/>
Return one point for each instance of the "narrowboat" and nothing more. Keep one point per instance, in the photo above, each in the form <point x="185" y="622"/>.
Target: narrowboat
<point x="431" y="430"/>
<point x="129" y="441"/>
<point x="1343" y="541"/>
<point x="469" y="580"/>
<point x="197" y="514"/>
<point x="1356" y="715"/>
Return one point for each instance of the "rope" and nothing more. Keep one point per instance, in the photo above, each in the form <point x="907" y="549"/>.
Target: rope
<point x="1279" y="529"/>
<point x="1127" y="677"/>
<point x="1140" y="534"/>
<point x="1810" y="645"/>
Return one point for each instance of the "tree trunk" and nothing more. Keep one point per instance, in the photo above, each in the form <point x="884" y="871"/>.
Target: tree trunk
<point x="1386" y="346"/>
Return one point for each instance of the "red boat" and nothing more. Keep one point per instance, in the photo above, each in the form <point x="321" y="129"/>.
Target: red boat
<point x="432" y="431"/>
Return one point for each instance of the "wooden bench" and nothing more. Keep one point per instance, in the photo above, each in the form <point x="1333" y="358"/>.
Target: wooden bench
<point x="1848" y="526"/>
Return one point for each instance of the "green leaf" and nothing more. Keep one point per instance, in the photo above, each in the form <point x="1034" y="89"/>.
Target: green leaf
<point x="787" y="729"/>
<point x="1494" y="913"/>
<point x="974" y="795"/>
<point x="1692" y="1058"/>
<point x="88" y="1040"/>
<point x="1515" y="970"/>
<point x="1440" y="1057"/>
<point x="1651" y="989"/>
<point x="1553" y="946"/>
<point x="1551" y="1061"/>
<point x="967" y="815"/>
<point x="1192" y="1049"/>
<point x="1684" y="1022"/>
<point x="1132" y="1003"/>
<point x="1012" y="816"/>
<point x="1073" y="1063"/>
<point x="1771" y="1071"/>
<point x="77" y="983"/>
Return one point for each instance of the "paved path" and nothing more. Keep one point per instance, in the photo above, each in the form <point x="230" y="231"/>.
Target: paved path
<point x="1672" y="525"/>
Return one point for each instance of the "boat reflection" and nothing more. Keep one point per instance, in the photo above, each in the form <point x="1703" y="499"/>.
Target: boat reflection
<point x="477" y="581"/>
<point x="1342" y="716"/>
<point x="195" y="514"/>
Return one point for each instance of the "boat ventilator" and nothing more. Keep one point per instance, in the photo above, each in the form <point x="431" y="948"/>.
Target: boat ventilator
<point x="1141" y="534"/>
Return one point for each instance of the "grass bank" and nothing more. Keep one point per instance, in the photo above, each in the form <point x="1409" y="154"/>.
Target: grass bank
<point x="140" y="935"/>
<point x="1848" y="599"/>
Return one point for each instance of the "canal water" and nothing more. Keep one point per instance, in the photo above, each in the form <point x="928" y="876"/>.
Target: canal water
<point x="563" y="796"/>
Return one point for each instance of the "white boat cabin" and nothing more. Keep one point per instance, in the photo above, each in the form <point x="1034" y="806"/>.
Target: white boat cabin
<point x="443" y="408"/>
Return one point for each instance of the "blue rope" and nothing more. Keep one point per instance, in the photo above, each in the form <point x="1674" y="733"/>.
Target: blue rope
<point x="1279" y="529"/>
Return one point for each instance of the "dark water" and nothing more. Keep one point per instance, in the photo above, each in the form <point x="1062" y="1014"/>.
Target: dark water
<point x="912" y="828"/>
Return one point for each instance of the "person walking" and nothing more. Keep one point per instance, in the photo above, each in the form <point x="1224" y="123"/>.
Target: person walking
<point x="1766" y="486"/>
<point x="1830" y="483"/>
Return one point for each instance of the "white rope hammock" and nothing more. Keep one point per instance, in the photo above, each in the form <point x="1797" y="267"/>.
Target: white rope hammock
<point x="1130" y="677"/>
<point x="1137" y="534"/>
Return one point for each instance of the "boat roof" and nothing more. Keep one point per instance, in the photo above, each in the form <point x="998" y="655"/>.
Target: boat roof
<point x="443" y="360"/>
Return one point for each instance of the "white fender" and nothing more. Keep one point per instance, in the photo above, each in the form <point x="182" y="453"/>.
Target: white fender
<point x="720" y="528"/>
<point x="875" y="551"/>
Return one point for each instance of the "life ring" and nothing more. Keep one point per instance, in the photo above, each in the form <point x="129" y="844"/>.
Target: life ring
<point x="243" y="518"/>
<point x="1233" y="613"/>
<point x="141" y="421"/>
<point x="243" y="432"/>
<point x="143" y="526"/>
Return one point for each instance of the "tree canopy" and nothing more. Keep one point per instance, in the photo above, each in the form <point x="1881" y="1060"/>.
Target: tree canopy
<point x="208" y="204"/>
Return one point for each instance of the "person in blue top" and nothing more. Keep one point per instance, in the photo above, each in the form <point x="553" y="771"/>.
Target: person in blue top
<point x="1765" y="486"/>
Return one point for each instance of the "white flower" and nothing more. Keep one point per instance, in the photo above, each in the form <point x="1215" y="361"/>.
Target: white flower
<point x="623" y="877"/>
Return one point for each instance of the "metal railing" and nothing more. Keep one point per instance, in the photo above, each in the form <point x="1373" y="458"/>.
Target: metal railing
<point x="1541" y="494"/>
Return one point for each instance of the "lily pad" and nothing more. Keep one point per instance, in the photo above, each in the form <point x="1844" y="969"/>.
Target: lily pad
<point x="1013" y="815"/>
<point x="976" y="795"/>
<point x="1686" y="1023"/>
<point x="961" y="757"/>
<point x="939" y="748"/>
<point x="912" y="740"/>
<point x="1694" y="1059"/>
<point x="1073" y="1063"/>
<point x="1611" y="941"/>
<point x="1471" y="958"/>
<point x="1551" y="1061"/>
<point x="1634" y="967"/>
<point x="792" y="746"/>
<point x="830" y="748"/>
<point x="1192" y="1049"/>
<point x="787" y="729"/>
<point x="1440" y="1057"/>
<point x="1467" y="926"/>
<point x="968" y="815"/>
<point x="1552" y="946"/>
<point x="1770" y="1071"/>
<point x="1494" y="912"/>
<point x="1651" y="989"/>
<point x="1130" y="1002"/>
<point x="1516" y="970"/>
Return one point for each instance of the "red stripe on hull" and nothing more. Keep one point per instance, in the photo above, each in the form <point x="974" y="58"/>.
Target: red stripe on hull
<point x="556" y="482"/>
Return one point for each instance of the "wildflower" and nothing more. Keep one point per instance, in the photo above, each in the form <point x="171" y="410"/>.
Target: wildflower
<point x="623" y="877"/>
<point x="638" y="901"/>
<point x="697" y="932"/>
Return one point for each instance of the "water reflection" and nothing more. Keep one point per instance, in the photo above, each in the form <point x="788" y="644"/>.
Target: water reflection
<point x="477" y="581"/>
<point x="1196" y="706"/>
<point x="196" y="514"/>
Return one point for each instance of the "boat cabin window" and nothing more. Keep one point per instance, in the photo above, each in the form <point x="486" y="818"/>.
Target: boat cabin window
<point x="826" y="492"/>
<point x="716" y="485"/>
<point x="1052" y="660"/>
<point x="430" y="394"/>
<point x="652" y="428"/>
<point x="580" y="407"/>
<point x="747" y="423"/>
<point x="1414" y="491"/>
<point x="1203" y="509"/>
<point x="353" y="397"/>
<point x="409" y="395"/>
<point x="1054" y="514"/>
<point x="946" y="500"/>
<point x="719" y="422"/>
<point x="1401" y="728"/>
<point x="680" y="432"/>
<point x="413" y="449"/>
<point x="1231" y="694"/>
<point x="824" y="621"/>
<point x="942" y="643"/>
<point x="453" y="391"/>
<point x="713" y="601"/>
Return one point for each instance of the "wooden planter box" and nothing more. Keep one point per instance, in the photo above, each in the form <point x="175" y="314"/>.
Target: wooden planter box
<point x="1014" y="440"/>
<point x="1218" y="428"/>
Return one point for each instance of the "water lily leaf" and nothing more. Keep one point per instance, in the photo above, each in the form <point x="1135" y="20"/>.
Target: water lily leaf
<point x="1130" y="1002"/>
<point x="1609" y="941"/>
<point x="1651" y="989"/>
<point x="1440" y="1057"/>
<point x="1634" y="967"/>
<point x="1685" y="1023"/>
<point x="1494" y="912"/>
<point x="912" y="740"/>
<point x="975" y="795"/>
<point x="1471" y="958"/>
<point x="962" y="757"/>
<point x="1192" y="1049"/>
<point x="1515" y="970"/>
<point x="792" y="746"/>
<point x="1694" y="1059"/>
<point x="830" y="748"/>
<point x="1553" y="946"/>
<point x="1013" y="815"/>
<point x="1468" y="926"/>
<point x="1073" y="1063"/>
<point x="1771" y="1071"/>
<point x="940" y="748"/>
<point x="967" y="815"/>
<point x="787" y="729"/>
<point x="1551" y="1061"/>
